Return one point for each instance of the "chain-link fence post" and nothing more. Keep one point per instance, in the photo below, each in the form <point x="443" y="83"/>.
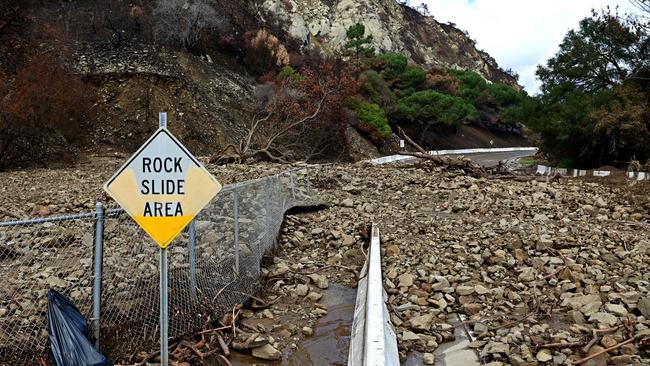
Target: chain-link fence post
<point x="235" y="214"/>
<point x="97" y="271"/>
<point x="192" y="256"/>
<point x="267" y="193"/>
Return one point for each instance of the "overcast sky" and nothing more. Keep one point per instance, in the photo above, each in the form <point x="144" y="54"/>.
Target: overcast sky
<point x="519" y="34"/>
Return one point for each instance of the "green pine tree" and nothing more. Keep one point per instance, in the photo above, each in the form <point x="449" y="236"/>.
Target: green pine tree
<point x="359" y="42"/>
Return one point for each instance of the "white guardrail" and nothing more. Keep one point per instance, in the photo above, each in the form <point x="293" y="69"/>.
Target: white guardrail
<point x="395" y="158"/>
<point x="373" y="341"/>
<point x="551" y="171"/>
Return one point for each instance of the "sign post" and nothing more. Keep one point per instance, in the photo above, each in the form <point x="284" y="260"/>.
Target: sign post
<point x="162" y="187"/>
<point x="164" y="288"/>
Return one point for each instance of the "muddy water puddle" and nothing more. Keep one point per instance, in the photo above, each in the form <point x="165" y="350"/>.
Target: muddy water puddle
<point x="331" y="339"/>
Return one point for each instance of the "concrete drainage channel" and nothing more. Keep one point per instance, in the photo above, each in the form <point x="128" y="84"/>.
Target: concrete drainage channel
<point x="373" y="339"/>
<point x="365" y="326"/>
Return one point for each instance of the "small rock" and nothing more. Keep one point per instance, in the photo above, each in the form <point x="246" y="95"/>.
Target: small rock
<point x="428" y="359"/>
<point x="301" y="290"/>
<point x="441" y="284"/>
<point x="575" y="317"/>
<point x="644" y="307"/>
<point x="392" y="251"/>
<point x="422" y="322"/>
<point x="622" y="360"/>
<point x="495" y="347"/>
<point x="544" y="355"/>
<point x="406" y="280"/>
<point x="600" y="360"/>
<point x="587" y="304"/>
<point x="307" y="331"/>
<point x="42" y="211"/>
<point x="410" y="336"/>
<point x="481" y="290"/>
<point x="527" y="275"/>
<point x="603" y="318"/>
<point x="314" y="296"/>
<point x="465" y="290"/>
<point x="540" y="217"/>
<point x="616" y="309"/>
<point x="608" y="341"/>
<point x="320" y="281"/>
<point x="629" y="349"/>
<point x="472" y="308"/>
<point x="267" y="352"/>
<point x="347" y="240"/>
<point x="347" y="203"/>
<point x="559" y="359"/>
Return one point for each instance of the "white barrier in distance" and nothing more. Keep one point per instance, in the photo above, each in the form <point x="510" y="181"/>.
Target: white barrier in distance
<point x="550" y="171"/>
<point x="373" y="341"/>
<point x="395" y="158"/>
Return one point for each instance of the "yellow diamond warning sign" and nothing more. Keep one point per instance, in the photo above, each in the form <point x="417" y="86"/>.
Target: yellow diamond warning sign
<point x="162" y="186"/>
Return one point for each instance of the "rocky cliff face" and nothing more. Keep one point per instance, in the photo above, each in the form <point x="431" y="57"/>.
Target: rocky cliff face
<point x="394" y="27"/>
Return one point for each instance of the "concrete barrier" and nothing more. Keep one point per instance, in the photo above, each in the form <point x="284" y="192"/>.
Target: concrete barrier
<point x="373" y="341"/>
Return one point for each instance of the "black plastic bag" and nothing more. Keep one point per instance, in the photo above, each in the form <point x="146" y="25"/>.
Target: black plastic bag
<point x="68" y="334"/>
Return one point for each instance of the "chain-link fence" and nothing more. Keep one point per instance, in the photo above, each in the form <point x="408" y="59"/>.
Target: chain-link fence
<point x="213" y="265"/>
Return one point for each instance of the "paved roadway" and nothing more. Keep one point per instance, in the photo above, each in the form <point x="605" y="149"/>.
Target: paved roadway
<point x="491" y="159"/>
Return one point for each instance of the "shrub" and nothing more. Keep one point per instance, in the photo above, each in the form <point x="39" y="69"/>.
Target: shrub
<point x="43" y="114"/>
<point x="504" y="95"/>
<point x="437" y="108"/>
<point x="441" y="81"/>
<point x="264" y="51"/>
<point x="394" y="65"/>
<point x="414" y="77"/>
<point x="375" y="88"/>
<point x="472" y="84"/>
<point x="288" y="73"/>
<point x="372" y="119"/>
<point x="179" y="23"/>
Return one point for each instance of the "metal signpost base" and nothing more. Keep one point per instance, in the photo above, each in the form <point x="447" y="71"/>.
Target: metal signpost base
<point x="97" y="272"/>
<point x="164" y="310"/>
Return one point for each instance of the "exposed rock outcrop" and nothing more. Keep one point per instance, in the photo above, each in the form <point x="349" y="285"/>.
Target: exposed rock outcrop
<point x="394" y="27"/>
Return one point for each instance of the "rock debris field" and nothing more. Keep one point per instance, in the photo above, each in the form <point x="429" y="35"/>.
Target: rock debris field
<point x="543" y="271"/>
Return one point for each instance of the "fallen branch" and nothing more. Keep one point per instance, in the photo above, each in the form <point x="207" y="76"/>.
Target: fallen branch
<point x="583" y="360"/>
<point x="212" y="330"/>
<point x="410" y="141"/>
<point x="154" y="354"/>
<point x="454" y="163"/>
<point x="563" y="345"/>
<point x="223" y="345"/>
<point x="223" y="360"/>
<point x="214" y="299"/>
<point x="593" y="341"/>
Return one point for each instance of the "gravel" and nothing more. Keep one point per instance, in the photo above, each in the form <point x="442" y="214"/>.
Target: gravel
<point x="531" y="263"/>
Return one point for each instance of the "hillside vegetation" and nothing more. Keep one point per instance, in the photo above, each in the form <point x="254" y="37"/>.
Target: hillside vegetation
<point x="237" y="81"/>
<point x="594" y="107"/>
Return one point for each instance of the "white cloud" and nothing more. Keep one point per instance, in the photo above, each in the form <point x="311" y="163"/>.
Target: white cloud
<point x="519" y="34"/>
